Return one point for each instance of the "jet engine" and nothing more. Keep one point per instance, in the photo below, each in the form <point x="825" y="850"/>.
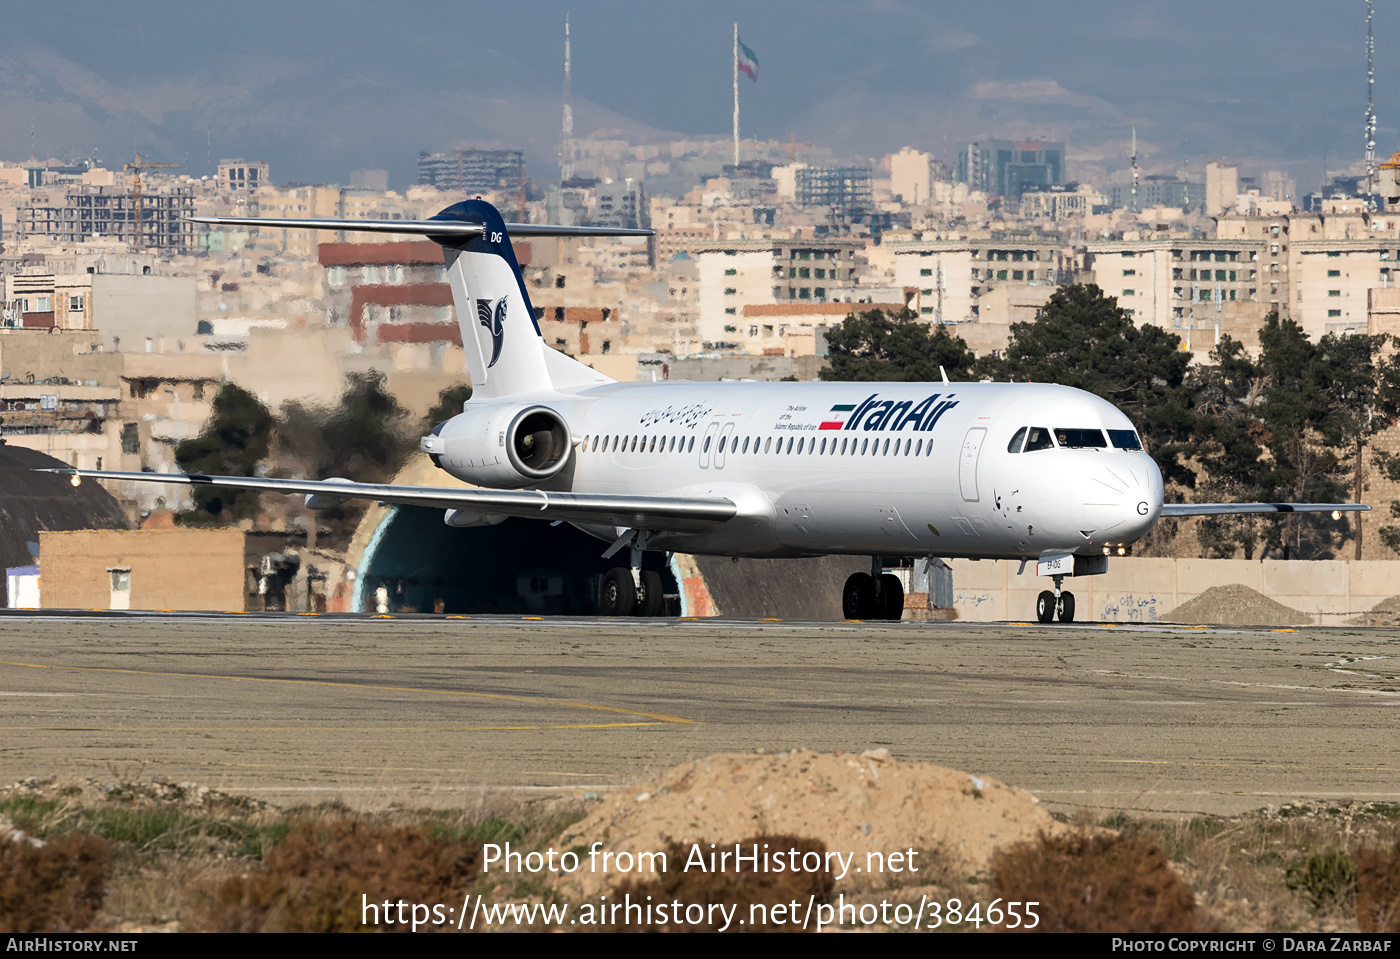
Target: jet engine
<point x="502" y="447"/>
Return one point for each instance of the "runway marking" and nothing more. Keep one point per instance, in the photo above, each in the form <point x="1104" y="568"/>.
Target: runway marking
<point x="317" y="729"/>
<point x="659" y="717"/>
<point x="1173" y="762"/>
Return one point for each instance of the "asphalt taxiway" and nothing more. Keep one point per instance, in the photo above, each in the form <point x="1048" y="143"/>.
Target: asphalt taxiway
<point x="436" y="710"/>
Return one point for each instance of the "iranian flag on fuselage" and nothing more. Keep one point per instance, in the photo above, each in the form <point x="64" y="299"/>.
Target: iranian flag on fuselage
<point x="838" y="416"/>
<point x="748" y="63"/>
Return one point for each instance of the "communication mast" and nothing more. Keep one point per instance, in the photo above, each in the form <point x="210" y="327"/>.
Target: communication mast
<point x="566" y="163"/>
<point x="1370" y="107"/>
<point x="1134" y="205"/>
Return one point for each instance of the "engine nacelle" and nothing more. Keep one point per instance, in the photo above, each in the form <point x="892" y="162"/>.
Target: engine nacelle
<point x="501" y="446"/>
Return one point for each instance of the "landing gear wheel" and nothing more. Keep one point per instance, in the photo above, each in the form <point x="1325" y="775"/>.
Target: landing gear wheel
<point x="1045" y="606"/>
<point x="649" y="597"/>
<point x="1065" y="608"/>
<point x="858" y="597"/>
<point x="892" y="592"/>
<point x="619" y="594"/>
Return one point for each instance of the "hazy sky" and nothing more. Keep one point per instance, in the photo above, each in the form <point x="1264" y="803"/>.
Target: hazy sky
<point x="318" y="89"/>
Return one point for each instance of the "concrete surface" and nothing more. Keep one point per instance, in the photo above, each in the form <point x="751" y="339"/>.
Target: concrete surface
<point x="437" y="711"/>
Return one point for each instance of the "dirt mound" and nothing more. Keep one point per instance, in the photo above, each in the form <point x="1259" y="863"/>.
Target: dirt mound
<point x="1384" y="613"/>
<point x="852" y="804"/>
<point x="1236" y="605"/>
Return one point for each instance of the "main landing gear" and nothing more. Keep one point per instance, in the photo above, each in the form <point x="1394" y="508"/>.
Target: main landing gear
<point x="873" y="595"/>
<point x="1050" y="605"/>
<point x="631" y="591"/>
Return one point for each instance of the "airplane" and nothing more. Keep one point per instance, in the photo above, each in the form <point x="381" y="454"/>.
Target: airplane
<point x="1014" y="471"/>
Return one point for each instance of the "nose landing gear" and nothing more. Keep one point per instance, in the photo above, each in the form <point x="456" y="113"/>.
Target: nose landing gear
<point x="1051" y="605"/>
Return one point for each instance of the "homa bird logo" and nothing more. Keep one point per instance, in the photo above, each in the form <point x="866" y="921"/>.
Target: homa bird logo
<point x="494" y="319"/>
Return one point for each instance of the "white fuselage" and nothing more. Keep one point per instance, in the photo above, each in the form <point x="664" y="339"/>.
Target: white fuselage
<point x="862" y="468"/>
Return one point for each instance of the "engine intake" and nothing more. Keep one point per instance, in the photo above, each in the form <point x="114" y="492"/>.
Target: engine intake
<point x="501" y="446"/>
<point x="539" y="442"/>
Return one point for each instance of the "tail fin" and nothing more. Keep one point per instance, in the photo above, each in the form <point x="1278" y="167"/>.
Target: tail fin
<point x="505" y="353"/>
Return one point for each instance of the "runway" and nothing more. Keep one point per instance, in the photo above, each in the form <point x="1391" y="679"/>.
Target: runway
<point x="441" y="710"/>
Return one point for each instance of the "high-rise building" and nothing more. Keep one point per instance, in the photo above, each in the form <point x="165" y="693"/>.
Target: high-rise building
<point x="1008" y="167"/>
<point x="844" y="188"/>
<point x="471" y="171"/>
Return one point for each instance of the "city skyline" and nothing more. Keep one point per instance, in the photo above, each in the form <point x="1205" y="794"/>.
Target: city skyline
<point x="320" y="90"/>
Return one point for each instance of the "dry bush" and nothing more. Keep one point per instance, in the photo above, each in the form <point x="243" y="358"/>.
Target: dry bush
<point x="730" y="887"/>
<point x="315" y="879"/>
<point x="53" y="887"/>
<point x="1096" y="883"/>
<point x="1378" y="890"/>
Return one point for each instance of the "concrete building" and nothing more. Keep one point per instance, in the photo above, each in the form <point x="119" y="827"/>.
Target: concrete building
<point x="241" y="178"/>
<point x="1210" y="286"/>
<point x="911" y="176"/>
<point x="185" y="569"/>
<point x="471" y="171"/>
<point x="1222" y="187"/>
<point x="1009" y="167"/>
<point x="110" y="212"/>
<point x="132" y="311"/>
<point x="740" y="273"/>
<point x="1058" y="202"/>
<point x="950" y="276"/>
<point x="1159" y="190"/>
<point x="846" y="189"/>
<point x="620" y="205"/>
<point x="34" y="502"/>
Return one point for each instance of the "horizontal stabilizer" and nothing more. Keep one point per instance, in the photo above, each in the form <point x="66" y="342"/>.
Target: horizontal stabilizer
<point x="428" y="228"/>
<point x="681" y="514"/>
<point x="1172" y="510"/>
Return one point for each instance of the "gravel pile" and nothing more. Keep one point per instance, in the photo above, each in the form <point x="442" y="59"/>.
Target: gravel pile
<point x="1236" y="605"/>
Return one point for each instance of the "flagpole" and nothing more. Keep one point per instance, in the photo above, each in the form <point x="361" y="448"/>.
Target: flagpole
<point x="736" y="93"/>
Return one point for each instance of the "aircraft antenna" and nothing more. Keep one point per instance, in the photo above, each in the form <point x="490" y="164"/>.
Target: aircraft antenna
<point x="1370" y="106"/>
<point x="566" y="164"/>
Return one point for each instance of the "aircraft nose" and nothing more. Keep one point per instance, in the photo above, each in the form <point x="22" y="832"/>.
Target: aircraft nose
<point x="1121" y="502"/>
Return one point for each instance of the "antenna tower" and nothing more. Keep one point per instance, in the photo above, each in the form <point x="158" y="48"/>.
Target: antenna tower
<point x="1370" y="106"/>
<point x="566" y="164"/>
<point x="1135" y="173"/>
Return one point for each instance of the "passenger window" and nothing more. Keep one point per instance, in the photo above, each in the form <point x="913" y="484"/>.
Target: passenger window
<point x="706" y="447"/>
<point x="691" y="447"/>
<point x="746" y="444"/>
<point x="1015" y="445"/>
<point x="1038" y="438"/>
<point x="1125" y="439"/>
<point x="1077" y="439"/>
<point x="918" y="447"/>
<point x="768" y="445"/>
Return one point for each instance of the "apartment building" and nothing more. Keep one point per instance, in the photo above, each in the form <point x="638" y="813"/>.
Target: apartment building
<point x="734" y="274"/>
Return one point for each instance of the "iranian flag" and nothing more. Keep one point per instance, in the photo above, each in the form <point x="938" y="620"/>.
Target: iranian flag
<point x="838" y="416"/>
<point x="747" y="62"/>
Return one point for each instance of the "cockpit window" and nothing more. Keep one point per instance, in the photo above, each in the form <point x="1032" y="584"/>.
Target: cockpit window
<point x="1080" y="439"/>
<point x="1038" y="438"/>
<point x="1015" y="445"/>
<point x="1125" y="439"/>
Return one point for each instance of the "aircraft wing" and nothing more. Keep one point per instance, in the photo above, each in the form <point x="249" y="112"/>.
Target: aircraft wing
<point x="1171" y="510"/>
<point x="428" y="227"/>
<point x="681" y="514"/>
